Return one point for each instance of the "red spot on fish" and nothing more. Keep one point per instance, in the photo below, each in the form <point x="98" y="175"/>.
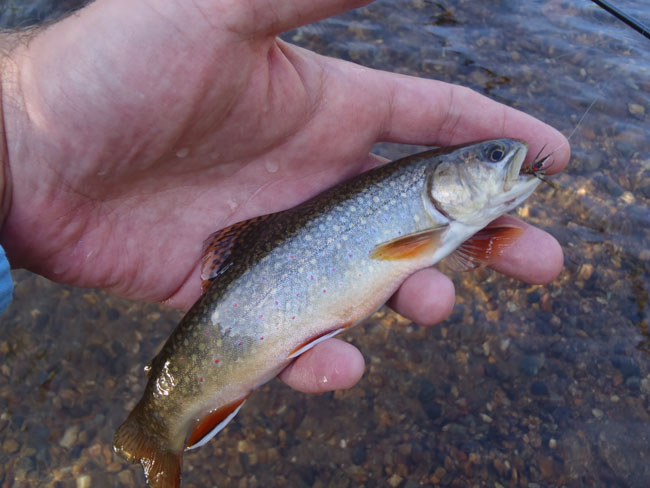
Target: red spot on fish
<point x="297" y="294"/>
<point x="182" y="359"/>
<point x="276" y="302"/>
<point x="359" y="275"/>
<point x="240" y="343"/>
<point x="201" y="379"/>
<point x="181" y="402"/>
<point x="216" y="361"/>
<point x="311" y="277"/>
<point x="333" y="269"/>
<point x="350" y="255"/>
<point x="260" y="316"/>
<point x="207" y="332"/>
<point x="263" y="278"/>
<point x="324" y="290"/>
<point x="234" y="305"/>
<point x="399" y="233"/>
<point x="291" y="256"/>
<point x="293" y="317"/>
<point x="262" y="338"/>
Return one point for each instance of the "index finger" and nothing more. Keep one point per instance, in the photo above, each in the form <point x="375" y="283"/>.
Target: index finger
<point x="421" y="111"/>
<point x="271" y="17"/>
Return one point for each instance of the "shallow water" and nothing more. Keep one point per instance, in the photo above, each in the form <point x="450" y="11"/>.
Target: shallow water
<point x="521" y="386"/>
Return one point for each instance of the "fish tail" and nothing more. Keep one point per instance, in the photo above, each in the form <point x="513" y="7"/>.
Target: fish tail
<point x="162" y="467"/>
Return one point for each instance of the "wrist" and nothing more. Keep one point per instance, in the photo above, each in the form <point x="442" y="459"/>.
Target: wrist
<point x="5" y="174"/>
<point x="5" y="170"/>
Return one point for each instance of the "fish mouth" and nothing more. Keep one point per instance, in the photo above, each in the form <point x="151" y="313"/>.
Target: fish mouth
<point x="514" y="174"/>
<point x="518" y="184"/>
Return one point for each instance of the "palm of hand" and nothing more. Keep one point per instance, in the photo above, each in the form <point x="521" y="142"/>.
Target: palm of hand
<point x="166" y="152"/>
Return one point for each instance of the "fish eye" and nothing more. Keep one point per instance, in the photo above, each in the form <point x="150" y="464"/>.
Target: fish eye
<point x="495" y="152"/>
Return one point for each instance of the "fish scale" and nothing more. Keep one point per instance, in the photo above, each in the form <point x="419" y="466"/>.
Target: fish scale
<point x="277" y="284"/>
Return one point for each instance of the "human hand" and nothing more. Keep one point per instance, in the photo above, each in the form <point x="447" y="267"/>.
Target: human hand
<point x="134" y="130"/>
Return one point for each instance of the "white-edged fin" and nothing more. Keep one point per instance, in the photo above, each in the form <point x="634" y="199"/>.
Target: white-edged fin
<point x="461" y="261"/>
<point x="306" y="347"/>
<point x="199" y="437"/>
<point x="485" y="247"/>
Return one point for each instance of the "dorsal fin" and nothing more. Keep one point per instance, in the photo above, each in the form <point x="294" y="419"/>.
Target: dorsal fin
<point x="212" y="423"/>
<point x="218" y="248"/>
<point x="485" y="247"/>
<point x="409" y="246"/>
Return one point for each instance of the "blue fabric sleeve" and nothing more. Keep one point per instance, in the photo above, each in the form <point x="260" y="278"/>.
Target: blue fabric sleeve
<point x="6" y="283"/>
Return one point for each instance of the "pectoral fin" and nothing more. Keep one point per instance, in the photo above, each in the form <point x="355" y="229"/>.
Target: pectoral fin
<point x="409" y="246"/>
<point x="485" y="247"/>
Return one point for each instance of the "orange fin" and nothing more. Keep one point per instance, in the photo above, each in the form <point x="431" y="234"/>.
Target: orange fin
<point x="307" y="345"/>
<point x="218" y="247"/>
<point x="212" y="423"/>
<point x="409" y="246"/>
<point x="136" y="443"/>
<point x="485" y="247"/>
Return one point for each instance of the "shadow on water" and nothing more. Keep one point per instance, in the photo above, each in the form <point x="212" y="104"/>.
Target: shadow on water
<point x="521" y="386"/>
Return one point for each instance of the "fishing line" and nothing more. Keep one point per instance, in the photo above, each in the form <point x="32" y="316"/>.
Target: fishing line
<point x="550" y="154"/>
<point x="583" y="117"/>
<point x="636" y="25"/>
<point x="622" y="16"/>
<point x="632" y="22"/>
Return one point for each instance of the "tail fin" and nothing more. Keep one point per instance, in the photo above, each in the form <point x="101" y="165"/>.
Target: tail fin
<point x="135" y="443"/>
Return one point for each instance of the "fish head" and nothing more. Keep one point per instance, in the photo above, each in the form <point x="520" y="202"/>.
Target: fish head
<point x="477" y="183"/>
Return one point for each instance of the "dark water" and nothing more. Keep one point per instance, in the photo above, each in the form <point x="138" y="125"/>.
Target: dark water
<point x="523" y="385"/>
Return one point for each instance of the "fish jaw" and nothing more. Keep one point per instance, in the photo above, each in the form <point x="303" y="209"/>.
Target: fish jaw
<point x="517" y="186"/>
<point x="513" y="171"/>
<point x="519" y="193"/>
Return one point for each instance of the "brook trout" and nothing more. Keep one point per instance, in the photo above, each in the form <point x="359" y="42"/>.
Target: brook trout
<point x="278" y="284"/>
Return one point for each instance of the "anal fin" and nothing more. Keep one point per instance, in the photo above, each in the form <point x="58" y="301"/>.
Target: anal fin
<point x="212" y="423"/>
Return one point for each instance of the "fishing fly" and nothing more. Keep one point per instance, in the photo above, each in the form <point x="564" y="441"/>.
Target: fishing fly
<point x="539" y="167"/>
